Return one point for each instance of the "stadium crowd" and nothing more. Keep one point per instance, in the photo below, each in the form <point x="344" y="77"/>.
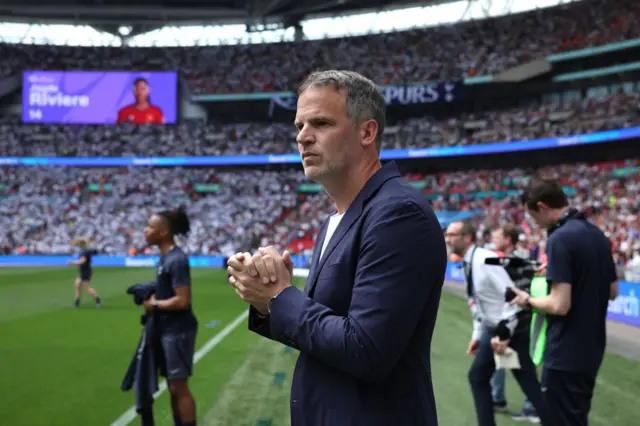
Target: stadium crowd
<point x="43" y="209"/>
<point x="445" y="53"/>
<point x="532" y="121"/>
<point x="609" y="193"/>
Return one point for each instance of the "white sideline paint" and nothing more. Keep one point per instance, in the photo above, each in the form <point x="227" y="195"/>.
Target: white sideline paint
<point x="299" y="272"/>
<point x="130" y="415"/>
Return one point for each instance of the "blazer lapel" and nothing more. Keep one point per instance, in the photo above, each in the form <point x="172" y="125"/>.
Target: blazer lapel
<point x="313" y="268"/>
<point x="352" y="214"/>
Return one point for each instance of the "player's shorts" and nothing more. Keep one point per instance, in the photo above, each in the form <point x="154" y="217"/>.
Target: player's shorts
<point x="85" y="276"/>
<point x="178" y="349"/>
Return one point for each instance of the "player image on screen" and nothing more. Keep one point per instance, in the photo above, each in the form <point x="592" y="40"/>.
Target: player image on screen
<point x="142" y="111"/>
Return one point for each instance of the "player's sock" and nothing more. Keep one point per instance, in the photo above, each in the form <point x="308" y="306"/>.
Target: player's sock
<point x="76" y="303"/>
<point x="193" y="423"/>
<point x="176" y="421"/>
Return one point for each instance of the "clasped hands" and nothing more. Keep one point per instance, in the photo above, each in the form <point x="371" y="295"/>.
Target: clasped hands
<point x="258" y="278"/>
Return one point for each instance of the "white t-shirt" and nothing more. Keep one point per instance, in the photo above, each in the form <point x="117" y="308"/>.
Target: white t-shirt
<point x="334" y="221"/>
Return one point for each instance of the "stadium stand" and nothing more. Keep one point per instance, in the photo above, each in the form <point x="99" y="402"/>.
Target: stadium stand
<point x="443" y="53"/>
<point x="38" y="202"/>
<point x="44" y="208"/>
<point x="532" y="121"/>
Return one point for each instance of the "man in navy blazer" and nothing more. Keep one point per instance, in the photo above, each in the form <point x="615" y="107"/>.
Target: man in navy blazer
<point x="365" y="320"/>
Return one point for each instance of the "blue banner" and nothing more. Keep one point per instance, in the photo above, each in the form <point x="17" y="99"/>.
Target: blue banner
<point x="423" y="93"/>
<point x="124" y="261"/>
<point x="454" y="272"/>
<point x="625" y="309"/>
<point x="388" y="154"/>
<point x="106" y="261"/>
<point x="394" y="95"/>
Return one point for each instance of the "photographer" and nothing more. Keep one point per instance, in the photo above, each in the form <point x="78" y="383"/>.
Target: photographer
<point x="582" y="278"/>
<point x="495" y="327"/>
<point x="504" y="240"/>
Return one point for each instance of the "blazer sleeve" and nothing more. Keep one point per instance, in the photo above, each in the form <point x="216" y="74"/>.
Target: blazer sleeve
<point x="258" y="324"/>
<point x="262" y="326"/>
<point x="402" y="258"/>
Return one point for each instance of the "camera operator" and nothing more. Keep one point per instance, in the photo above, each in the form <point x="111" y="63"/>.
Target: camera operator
<point x="504" y="240"/>
<point x="521" y="270"/>
<point x="495" y="325"/>
<point x="582" y="278"/>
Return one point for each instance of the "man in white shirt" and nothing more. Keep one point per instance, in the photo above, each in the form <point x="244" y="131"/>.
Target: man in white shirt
<point x="495" y="324"/>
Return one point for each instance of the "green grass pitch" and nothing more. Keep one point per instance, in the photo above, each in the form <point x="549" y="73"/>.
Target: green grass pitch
<point x="63" y="366"/>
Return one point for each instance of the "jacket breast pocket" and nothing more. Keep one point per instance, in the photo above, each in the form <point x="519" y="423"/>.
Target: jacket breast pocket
<point x="334" y="271"/>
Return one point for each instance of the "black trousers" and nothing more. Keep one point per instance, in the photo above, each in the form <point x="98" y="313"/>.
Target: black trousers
<point x="482" y="369"/>
<point x="567" y="397"/>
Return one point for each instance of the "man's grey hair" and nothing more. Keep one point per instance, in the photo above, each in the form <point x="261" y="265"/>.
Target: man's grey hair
<point x="363" y="96"/>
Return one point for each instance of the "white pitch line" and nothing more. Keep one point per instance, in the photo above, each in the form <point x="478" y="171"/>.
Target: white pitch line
<point x="130" y="415"/>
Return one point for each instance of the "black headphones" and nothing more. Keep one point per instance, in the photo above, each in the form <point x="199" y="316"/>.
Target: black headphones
<point x="570" y="213"/>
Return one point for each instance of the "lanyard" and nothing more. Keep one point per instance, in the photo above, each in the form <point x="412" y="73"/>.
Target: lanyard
<point x="469" y="274"/>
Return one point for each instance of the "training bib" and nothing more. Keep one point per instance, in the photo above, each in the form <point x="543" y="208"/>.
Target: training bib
<point x="539" y="288"/>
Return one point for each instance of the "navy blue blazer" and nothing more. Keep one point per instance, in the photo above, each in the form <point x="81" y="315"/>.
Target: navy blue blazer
<point x="364" y="323"/>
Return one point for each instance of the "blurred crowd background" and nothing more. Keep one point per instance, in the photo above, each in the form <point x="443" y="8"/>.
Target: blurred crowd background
<point x="240" y="208"/>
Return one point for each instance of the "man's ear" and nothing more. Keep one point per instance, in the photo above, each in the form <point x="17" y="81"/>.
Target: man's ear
<point x="541" y="206"/>
<point x="368" y="133"/>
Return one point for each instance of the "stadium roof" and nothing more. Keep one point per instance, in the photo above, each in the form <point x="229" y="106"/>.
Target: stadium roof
<point x="146" y="15"/>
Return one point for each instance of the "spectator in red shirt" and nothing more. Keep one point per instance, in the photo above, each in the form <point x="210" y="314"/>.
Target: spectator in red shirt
<point x="141" y="112"/>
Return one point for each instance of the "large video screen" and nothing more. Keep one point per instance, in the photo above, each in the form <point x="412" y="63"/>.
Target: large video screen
<point x="99" y="97"/>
